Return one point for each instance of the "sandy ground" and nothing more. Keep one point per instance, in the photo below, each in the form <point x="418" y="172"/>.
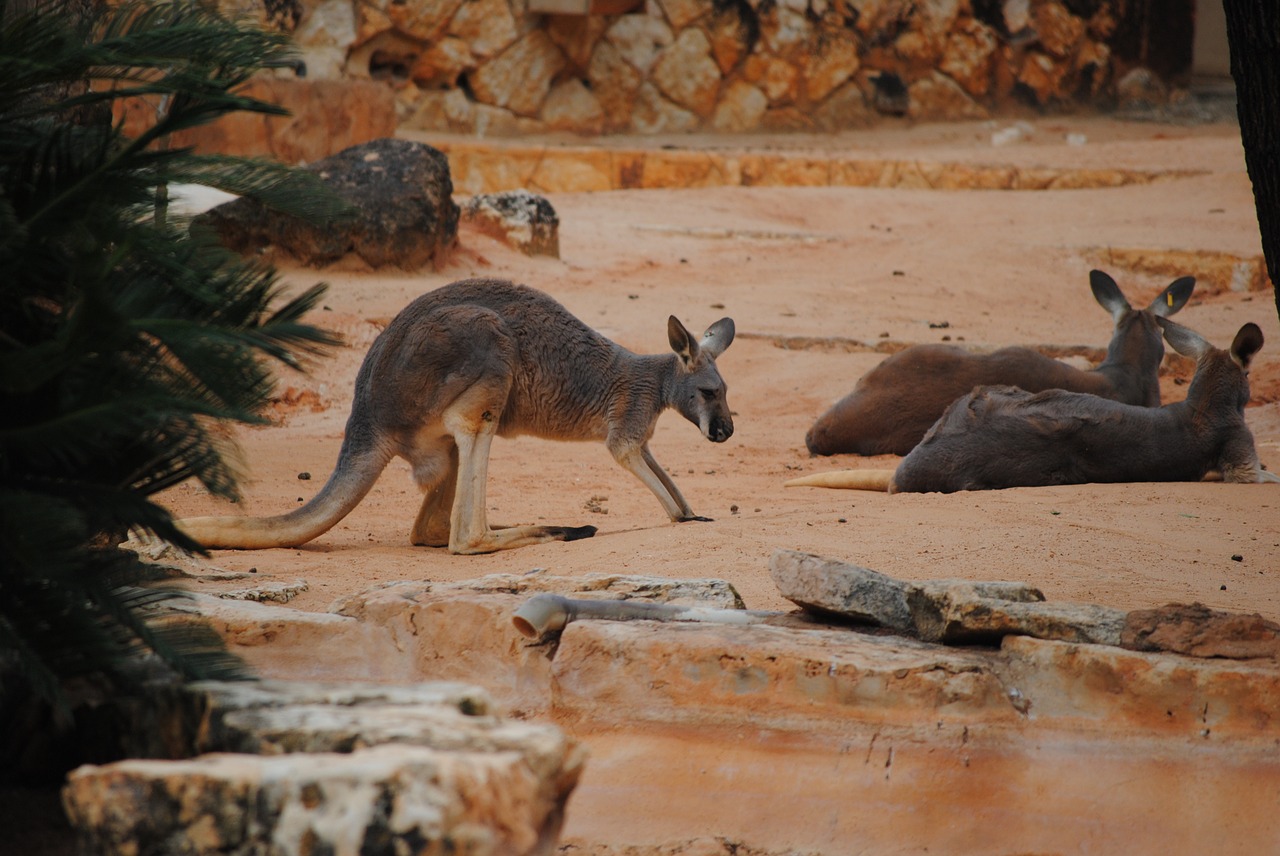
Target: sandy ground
<point x="846" y="264"/>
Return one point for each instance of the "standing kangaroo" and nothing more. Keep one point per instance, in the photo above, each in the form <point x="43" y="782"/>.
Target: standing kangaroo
<point x="1000" y="436"/>
<point x="486" y="357"/>
<point x="894" y="404"/>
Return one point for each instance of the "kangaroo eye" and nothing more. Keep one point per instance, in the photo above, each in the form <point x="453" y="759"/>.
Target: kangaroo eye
<point x="708" y="394"/>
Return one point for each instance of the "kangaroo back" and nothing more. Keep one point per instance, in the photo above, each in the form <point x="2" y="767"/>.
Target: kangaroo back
<point x="894" y="404"/>
<point x="997" y="437"/>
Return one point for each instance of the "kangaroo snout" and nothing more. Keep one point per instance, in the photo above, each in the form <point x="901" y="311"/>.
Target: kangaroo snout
<point x="719" y="430"/>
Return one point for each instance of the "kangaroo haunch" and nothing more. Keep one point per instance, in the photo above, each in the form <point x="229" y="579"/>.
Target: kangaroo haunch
<point x="893" y="405"/>
<point x="481" y="358"/>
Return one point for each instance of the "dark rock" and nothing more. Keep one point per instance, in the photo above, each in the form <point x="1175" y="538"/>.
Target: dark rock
<point x="402" y="196"/>
<point x="1200" y="632"/>
<point x="522" y="219"/>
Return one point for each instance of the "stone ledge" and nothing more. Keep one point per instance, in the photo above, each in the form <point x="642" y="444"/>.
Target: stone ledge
<point x="330" y="768"/>
<point x="489" y="167"/>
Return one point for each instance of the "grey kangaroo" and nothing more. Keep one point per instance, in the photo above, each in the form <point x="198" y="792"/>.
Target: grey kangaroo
<point x="894" y="404"/>
<point x="1000" y="436"/>
<point x="480" y="358"/>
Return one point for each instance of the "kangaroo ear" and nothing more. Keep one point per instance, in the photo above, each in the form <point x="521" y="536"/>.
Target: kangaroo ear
<point x="682" y="341"/>
<point x="718" y="337"/>
<point x="1174" y="297"/>
<point x="1184" y="340"/>
<point x="1246" y="344"/>
<point x="1108" y="294"/>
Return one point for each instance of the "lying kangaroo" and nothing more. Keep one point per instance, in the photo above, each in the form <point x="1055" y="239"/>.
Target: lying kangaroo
<point x="1001" y="436"/>
<point x="485" y="357"/>
<point x="894" y="404"/>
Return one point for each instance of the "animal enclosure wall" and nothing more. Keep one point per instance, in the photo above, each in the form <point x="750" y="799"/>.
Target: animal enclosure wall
<point x="496" y="67"/>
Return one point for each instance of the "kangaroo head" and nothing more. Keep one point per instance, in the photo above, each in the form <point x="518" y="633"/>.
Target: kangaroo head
<point x="1136" y="340"/>
<point x="699" y="392"/>
<point x="1218" y="372"/>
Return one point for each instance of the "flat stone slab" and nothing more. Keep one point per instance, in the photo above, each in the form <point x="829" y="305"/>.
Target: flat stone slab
<point x="384" y="799"/>
<point x="954" y="611"/>
<point x="331" y="768"/>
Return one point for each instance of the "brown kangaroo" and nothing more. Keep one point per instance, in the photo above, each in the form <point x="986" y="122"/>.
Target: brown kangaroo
<point x="486" y="357"/>
<point x="1000" y="436"/>
<point x="894" y="404"/>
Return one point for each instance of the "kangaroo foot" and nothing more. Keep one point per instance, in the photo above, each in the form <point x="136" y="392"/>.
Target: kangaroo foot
<point x="696" y="518"/>
<point x="574" y="533"/>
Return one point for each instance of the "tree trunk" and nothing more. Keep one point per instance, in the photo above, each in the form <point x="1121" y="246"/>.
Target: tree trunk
<point x="1253" y="34"/>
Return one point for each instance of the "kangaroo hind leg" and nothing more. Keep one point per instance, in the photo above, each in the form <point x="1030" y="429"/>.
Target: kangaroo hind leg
<point x="436" y="472"/>
<point x="473" y="422"/>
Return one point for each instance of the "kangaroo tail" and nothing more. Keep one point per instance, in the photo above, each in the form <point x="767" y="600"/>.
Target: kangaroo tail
<point x="847" y="480"/>
<point x="359" y="464"/>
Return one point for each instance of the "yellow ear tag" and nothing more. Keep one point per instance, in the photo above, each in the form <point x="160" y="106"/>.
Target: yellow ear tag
<point x="1169" y="297"/>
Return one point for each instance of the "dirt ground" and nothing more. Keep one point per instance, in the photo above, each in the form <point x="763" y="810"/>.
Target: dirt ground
<point x="828" y="267"/>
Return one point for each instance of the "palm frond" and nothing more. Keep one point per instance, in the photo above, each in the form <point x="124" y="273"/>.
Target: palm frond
<point x="124" y="340"/>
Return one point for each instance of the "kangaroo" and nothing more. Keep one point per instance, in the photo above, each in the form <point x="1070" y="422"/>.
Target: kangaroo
<point x="894" y="404"/>
<point x="1001" y="436"/>
<point x="485" y="357"/>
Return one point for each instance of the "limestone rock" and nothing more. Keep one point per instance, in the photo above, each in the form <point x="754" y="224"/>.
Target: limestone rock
<point x="682" y="13"/>
<point x="654" y="114"/>
<point x="844" y="108"/>
<point x="828" y="66"/>
<point x="425" y="20"/>
<point x="571" y="106"/>
<point x="337" y="768"/>
<point x="937" y="96"/>
<point x="520" y="76"/>
<point x="615" y="84"/>
<point x="639" y="39"/>
<point x="804" y="680"/>
<point x="1198" y="631"/>
<point x="1043" y="77"/>
<point x="777" y="79"/>
<point x="1104" y="687"/>
<point x="576" y="36"/>
<point x="443" y="110"/>
<point x="520" y="218"/>
<point x="741" y="108"/>
<point x="938" y="610"/>
<point x="969" y="55"/>
<point x="831" y="587"/>
<point x="1017" y="15"/>
<point x="275" y="592"/>
<point x="382" y="799"/>
<point x="400" y="191"/>
<point x="785" y="31"/>
<point x="1059" y="31"/>
<point x="686" y="73"/>
<point x="323" y="37"/>
<point x="443" y="63"/>
<point x="486" y="26"/>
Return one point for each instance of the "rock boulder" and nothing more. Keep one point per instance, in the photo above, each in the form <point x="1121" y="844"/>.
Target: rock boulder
<point x="403" y="213"/>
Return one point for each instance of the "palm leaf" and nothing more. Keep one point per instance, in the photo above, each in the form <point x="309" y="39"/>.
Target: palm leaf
<point x="123" y="339"/>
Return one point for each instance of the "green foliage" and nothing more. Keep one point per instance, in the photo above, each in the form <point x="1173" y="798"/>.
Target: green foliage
<point x="123" y="340"/>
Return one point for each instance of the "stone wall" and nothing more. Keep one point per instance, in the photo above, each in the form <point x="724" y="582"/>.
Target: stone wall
<point x="493" y="67"/>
